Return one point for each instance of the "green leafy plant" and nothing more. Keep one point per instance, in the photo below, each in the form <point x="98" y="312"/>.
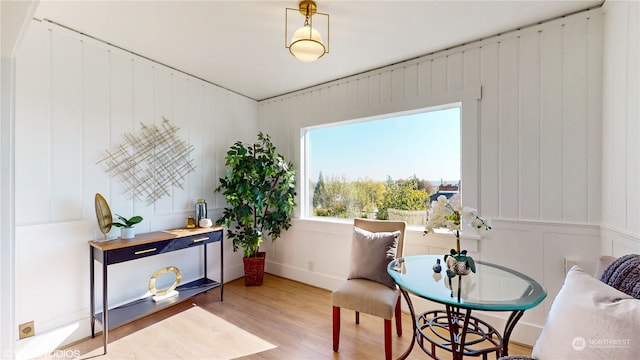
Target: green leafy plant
<point x="127" y="223"/>
<point x="259" y="188"/>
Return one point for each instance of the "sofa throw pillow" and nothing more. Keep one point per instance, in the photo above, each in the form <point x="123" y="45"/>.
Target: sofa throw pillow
<point x="590" y="320"/>
<point x="624" y="274"/>
<point x="371" y="252"/>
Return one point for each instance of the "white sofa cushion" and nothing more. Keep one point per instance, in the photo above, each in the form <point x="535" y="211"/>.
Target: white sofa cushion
<point x="590" y="320"/>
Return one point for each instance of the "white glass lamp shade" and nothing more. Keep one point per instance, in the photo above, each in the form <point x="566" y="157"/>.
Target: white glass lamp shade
<point x="306" y="44"/>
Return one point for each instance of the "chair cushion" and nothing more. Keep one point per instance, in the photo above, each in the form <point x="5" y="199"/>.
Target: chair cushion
<point x="590" y="320"/>
<point x="371" y="252"/>
<point x="624" y="275"/>
<point x="369" y="297"/>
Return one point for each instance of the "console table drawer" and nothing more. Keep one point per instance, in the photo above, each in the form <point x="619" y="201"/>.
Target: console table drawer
<point x="136" y="252"/>
<point x="149" y="249"/>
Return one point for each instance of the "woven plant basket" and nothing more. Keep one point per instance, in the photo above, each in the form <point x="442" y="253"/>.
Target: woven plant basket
<point x="254" y="269"/>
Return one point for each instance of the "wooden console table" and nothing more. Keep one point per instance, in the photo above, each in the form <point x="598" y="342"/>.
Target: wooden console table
<point x="144" y="245"/>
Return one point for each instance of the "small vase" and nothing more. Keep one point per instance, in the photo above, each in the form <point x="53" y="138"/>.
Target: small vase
<point x="127" y="233"/>
<point x="462" y="267"/>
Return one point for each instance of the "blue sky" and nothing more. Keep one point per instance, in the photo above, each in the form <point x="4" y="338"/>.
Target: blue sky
<point x="426" y="145"/>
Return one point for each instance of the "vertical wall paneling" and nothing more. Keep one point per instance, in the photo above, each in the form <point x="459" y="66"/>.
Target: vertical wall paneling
<point x="385" y="87"/>
<point x="620" y="122"/>
<point x="469" y="140"/>
<point x="374" y="89"/>
<point x="122" y="121"/>
<point x="214" y="110"/>
<point x="621" y="80"/>
<point x="32" y="128"/>
<point x="574" y="114"/>
<point x="181" y="118"/>
<point x="66" y="124"/>
<point x="633" y="119"/>
<point x="411" y="81"/>
<point x="595" y="117"/>
<point x="551" y="124"/>
<point x="164" y="107"/>
<point x="95" y="122"/>
<point x="609" y="65"/>
<point x="345" y="102"/>
<point x="471" y="67"/>
<point x="455" y="70"/>
<point x="363" y="92"/>
<point x="321" y="99"/>
<point x="425" y="78"/>
<point x="439" y="75"/>
<point x="143" y="99"/>
<point x="509" y="120"/>
<point x="489" y="132"/>
<point x="397" y="84"/>
<point x="529" y="134"/>
<point x="353" y="94"/>
<point x="201" y="135"/>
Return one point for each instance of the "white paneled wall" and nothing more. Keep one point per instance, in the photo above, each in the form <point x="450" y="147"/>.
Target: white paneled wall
<point x="540" y="109"/>
<point x="621" y="128"/>
<point x="75" y="99"/>
<point x="535" y="167"/>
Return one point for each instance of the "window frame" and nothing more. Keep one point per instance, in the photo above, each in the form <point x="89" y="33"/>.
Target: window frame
<point x="467" y="99"/>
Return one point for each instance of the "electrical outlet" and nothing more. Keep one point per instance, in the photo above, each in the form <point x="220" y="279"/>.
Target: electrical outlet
<point x="26" y="330"/>
<point x="568" y="264"/>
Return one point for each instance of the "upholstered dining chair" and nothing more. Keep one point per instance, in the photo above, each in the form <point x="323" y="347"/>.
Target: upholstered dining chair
<point x="369" y="288"/>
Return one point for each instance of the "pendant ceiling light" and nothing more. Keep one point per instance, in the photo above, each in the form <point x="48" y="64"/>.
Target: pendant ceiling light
<point x="306" y="43"/>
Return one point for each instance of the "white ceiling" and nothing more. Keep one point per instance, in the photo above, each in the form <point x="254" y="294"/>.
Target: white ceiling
<point x="239" y="45"/>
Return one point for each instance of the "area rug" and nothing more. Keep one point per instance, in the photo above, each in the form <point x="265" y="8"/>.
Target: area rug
<point x="191" y="334"/>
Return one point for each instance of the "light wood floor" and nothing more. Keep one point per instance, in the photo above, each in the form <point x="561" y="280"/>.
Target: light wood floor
<point x="293" y="316"/>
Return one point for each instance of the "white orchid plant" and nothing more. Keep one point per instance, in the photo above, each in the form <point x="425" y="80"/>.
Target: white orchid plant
<point x="443" y="214"/>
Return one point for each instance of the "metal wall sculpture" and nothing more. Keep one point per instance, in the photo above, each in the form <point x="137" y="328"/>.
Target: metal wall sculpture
<point x="151" y="163"/>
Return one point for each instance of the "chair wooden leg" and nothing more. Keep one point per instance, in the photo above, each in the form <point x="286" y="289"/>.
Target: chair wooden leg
<point x="398" y="316"/>
<point x="387" y="339"/>
<point x="336" y="328"/>
<point x="357" y="317"/>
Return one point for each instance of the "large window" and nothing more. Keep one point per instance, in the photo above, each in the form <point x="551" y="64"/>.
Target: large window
<point x="389" y="167"/>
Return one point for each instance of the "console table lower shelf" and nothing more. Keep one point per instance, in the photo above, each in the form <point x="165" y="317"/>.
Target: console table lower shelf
<point x="137" y="309"/>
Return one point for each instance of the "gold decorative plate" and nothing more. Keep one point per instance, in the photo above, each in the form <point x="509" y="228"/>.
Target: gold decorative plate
<point x="103" y="213"/>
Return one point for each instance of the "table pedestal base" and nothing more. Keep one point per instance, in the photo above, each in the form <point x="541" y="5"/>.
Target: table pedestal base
<point x="456" y="331"/>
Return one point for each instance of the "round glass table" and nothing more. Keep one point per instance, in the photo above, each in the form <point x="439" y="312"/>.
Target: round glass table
<point x="491" y="288"/>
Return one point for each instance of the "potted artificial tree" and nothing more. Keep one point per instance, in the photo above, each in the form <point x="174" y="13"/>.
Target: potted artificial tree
<point x="259" y="188"/>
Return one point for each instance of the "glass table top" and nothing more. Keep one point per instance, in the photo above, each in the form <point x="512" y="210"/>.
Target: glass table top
<point x="491" y="287"/>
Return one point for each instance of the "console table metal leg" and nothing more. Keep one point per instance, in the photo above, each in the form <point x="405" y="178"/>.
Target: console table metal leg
<point x="205" y="261"/>
<point x="92" y="289"/>
<point x="105" y="307"/>
<point x="511" y="324"/>
<point x="221" y="267"/>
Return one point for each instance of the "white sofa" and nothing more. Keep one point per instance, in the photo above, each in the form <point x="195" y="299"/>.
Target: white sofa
<point x="594" y="317"/>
